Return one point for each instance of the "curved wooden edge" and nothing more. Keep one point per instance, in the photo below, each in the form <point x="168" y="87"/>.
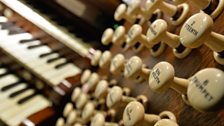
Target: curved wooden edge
<point x="39" y="117"/>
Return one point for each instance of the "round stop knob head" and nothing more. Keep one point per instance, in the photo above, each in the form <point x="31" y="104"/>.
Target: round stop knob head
<point x="75" y="94"/>
<point x="81" y="101"/>
<point x="120" y="12"/>
<point x="114" y="96"/>
<point x="94" y="78"/>
<point x="101" y="89"/>
<point x="96" y="58"/>
<point x="117" y="64"/>
<point x="98" y="120"/>
<point x="133" y="34"/>
<point x="71" y="117"/>
<point x="161" y="76"/>
<point x="85" y="76"/>
<point x="206" y="89"/>
<point x="133" y="113"/>
<point x="68" y="108"/>
<point x="156" y="30"/>
<point x="133" y="67"/>
<point x="88" y="111"/>
<point x="119" y="35"/>
<point x="196" y="30"/>
<point x="166" y="122"/>
<point x="105" y="59"/>
<point x="60" y="122"/>
<point x="107" y="36"/>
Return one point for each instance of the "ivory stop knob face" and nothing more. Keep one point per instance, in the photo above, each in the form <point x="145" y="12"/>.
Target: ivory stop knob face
<point x="68" y="108"/>
<point x="101" y="89"/>
<point x="93" y="80"/>
<point x="133" y="67"/>
<point x="81" y="101"/>
<point x="133" y="113"/>
<point x="206" y="88"/>
<point x="120" y="12"/>
<point x="75" y="94"/>
<point x="156" y="31"/>
<point x="60" y="122"/>
<point x="196" y="30"/>
<point x="166" y="122"/>
<point x="88" y="111"/>
<point x="98" y="120"/>
<point x="105" y="59"/>
<point x="161" y="76"/>
<point x="77" y="124"/>
<point x="85" y="76"/>
<point x="107" y="36"/>
<point x="114" y="96"/>
<point x="71" y="117"/>
<point x="96" y="58"/>
<point x="119" y="35"/>
<point x="134" y="35"/>
<point x="117" y="64"/>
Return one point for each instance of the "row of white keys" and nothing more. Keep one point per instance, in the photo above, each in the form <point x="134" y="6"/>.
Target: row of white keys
<point x="18" y="113"/>
<point x="10" y="102"/>
<point x="5" y="94"/>
<point x="27" y="56"/>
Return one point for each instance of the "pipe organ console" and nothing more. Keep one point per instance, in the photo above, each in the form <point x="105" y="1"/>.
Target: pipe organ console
<point x="160" y="64"/>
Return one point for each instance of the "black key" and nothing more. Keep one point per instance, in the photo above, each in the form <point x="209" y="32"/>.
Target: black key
<point x="53" y="59"/>
<point x="27" y="40"/>
<point x="16" y="30"/>
<point x="23" y="100"/>
<point x="18" y="92"/>
<point x="60" y="65"/>
<point x="7" y="25"/>
<point x="5" y="88"/>
<point x="35" y="46"/>
<point x="46" y="54"/>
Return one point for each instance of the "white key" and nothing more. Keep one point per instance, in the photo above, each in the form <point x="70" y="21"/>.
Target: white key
<point x="4" y="33"/>
<point x="8" y="79"/>
<point x="3" y="19"/>
<point x="11" y="102"/>
<point x="18" y="118"/>
<point x="3" y="71"/>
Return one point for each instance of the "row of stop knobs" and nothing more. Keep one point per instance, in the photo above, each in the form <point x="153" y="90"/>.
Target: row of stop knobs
<point x="196" y="31"/>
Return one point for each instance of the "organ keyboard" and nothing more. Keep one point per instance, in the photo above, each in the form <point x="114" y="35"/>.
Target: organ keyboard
<point x="38" y="57"/>
<point x="19" y="100"/>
